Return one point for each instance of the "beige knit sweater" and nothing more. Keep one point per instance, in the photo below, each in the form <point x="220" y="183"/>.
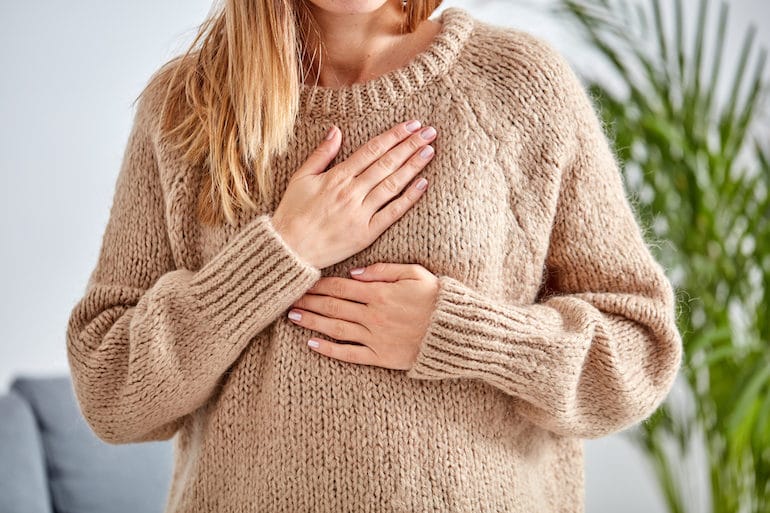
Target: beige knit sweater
<point x="553" y="321"/>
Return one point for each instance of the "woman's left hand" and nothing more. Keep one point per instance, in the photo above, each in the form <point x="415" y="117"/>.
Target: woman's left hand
<point x="386" y="309"/>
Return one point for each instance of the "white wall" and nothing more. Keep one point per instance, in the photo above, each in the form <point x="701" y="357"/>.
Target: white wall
<point x="68" y="73"/>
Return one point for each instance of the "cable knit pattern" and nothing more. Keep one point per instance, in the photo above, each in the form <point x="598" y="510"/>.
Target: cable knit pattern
<point x="553" y="322"/>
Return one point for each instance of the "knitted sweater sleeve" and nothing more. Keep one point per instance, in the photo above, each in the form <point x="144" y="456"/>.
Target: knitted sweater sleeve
<point x="147" y="342"/>
<point x="599" y="349"/>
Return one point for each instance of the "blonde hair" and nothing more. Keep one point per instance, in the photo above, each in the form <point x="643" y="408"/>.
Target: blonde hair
<point x="231" y="99"/>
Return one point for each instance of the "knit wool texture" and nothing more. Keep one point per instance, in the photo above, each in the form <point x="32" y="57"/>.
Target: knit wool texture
<point x="553" y="322"/>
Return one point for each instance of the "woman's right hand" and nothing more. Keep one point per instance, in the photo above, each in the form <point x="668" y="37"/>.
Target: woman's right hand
<point x="328" y="216"/>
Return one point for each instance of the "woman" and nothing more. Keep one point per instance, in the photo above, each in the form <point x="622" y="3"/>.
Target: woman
<point x="321" y="333"/>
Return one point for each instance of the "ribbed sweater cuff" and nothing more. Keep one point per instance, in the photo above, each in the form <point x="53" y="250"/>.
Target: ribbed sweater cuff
<point x="471" y="337"/>
<point x="251" y="280"/>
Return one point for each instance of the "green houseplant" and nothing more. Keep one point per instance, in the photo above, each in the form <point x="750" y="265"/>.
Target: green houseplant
<point x="697" y="163"/>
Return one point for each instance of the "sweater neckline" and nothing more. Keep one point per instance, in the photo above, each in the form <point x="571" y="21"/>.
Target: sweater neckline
<point x="386" y="89"/>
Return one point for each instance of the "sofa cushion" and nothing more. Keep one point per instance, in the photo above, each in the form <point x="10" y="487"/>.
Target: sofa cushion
<point x="86" y="474"/>
<point x="23" y="485"/>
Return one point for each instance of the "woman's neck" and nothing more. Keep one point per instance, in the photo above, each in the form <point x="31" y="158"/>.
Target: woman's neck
<point x="362" y="46"/>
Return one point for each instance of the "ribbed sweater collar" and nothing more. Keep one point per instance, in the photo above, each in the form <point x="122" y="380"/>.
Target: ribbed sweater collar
<point x="391" y="87"/>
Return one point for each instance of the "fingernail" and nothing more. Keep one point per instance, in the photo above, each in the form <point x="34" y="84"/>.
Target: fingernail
<point x="329" y="134"/>
<point x="295" y="316"/>
<point x="357" y="270"/>
<point x="428" y="133"/>
<point x="312" y="343"/>
<point x="421" y="184"/>
<point x="413" y="125"/>
<point x="426" y="152"/>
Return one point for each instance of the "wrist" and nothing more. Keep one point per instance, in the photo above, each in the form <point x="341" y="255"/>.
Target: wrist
<point x="285" y="232"/>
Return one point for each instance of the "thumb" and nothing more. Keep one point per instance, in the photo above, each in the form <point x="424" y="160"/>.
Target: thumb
<point x="384" y="271"/>
<point x="323" y="154"/>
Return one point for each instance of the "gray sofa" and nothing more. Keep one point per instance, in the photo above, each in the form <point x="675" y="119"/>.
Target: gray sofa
<point x="51" y="461"/>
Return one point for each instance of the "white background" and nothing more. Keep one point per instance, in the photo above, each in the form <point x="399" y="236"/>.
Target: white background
<point x="68" y="73"/>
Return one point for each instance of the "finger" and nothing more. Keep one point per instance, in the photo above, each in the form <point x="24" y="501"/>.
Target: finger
<point x="351" y="353"/>
<point x="330" y="306"/>
<point x="394" y="158"/>
<point x="388" y="271"/>
<point x="394" y="182"/>
<point x="321" y="156"/>
<point x="394" y="210"/>
<point x="334" y="328"/>
<point x="375" y="148"/>
<point x="343" y="288"/>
